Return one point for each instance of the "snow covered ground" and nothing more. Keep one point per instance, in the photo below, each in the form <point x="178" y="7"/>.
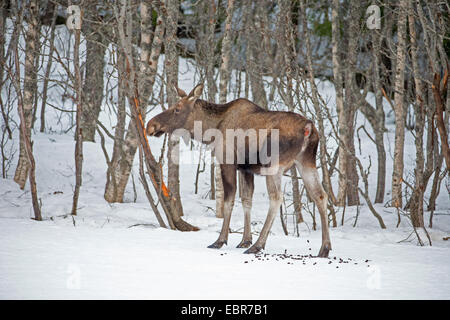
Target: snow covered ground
<point x="56" y="260"/>
<point x="102" y="254"/>
<point x="118" y="250"/>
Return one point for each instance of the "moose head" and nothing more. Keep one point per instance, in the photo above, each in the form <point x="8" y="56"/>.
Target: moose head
<point x="180" y="115"/>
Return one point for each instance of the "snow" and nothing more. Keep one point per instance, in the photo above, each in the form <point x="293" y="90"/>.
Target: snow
<point x="118" y="250"/>
<point x="50" y="261"/>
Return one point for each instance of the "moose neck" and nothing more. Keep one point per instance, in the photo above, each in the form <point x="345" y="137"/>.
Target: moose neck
<point x="210" y="114"/>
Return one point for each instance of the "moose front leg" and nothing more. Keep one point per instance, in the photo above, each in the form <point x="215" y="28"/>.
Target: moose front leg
<point x="229" y="190"/>
<point x="246" y="180"/>
<point x="274" y="189"/>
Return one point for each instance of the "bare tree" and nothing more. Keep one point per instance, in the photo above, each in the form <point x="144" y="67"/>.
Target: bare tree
<point x="29" y="89"/>
<point x="78" y="132"/>
<point x="49" y="64"/>
<point x="223" y="90"/>
<point x="416" y="206"/>
<point x="255" y="55"/>
<point x="338" y="83"/>
<point x="351" y="104"/>
<point x="226" y="54"/>
<point x="171" y="69"/>
<point x="24" y="130"/>
<point x="399" y="105"/>
<point x="96" y="43"/>
<point x="375" y="115"/>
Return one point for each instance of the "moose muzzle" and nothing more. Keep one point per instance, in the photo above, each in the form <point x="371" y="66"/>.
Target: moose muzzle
<point x="154" y="129"/>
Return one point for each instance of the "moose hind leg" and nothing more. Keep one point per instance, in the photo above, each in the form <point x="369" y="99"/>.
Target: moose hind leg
<point x="246" y="180"/>
<point x="312" y="183"/>
<point x="229" y="190"/>
<point x="274" y="189"/>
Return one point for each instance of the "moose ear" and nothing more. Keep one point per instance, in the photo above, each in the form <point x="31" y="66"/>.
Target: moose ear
<point x="181" y="92"/>
<point x="196" y="92"/>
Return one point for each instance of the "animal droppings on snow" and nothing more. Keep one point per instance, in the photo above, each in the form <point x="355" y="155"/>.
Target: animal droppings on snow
<point x="292" y="259"/>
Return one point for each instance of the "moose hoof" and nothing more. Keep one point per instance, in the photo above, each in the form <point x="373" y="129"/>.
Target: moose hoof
<point x="324" y="250"/>
<point x="253" y="249"/>
<point x="244" y="244"/>
<point x="217" y="245"/>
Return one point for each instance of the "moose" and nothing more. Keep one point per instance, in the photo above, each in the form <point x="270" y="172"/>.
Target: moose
<point x="298" y="140"/>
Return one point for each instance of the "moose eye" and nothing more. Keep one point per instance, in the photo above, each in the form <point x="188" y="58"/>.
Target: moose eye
<point x="176" y="110"/>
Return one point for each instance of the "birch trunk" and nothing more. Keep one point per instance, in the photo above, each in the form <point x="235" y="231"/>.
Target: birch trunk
<point x="171" y="68"/>
<point x="27" y="144"/>
<point x="29" y="90"/>
<point x="342" y="115"/>
<point x="78" y="132"/>
<point x="255" y="54"/>
<point x="225" y="67"/>
<point x="379" y="116"/>
<point x="225" y="72"/>
<point x="212" y="88"/>
<point x="399" y="107"/>
<point x="2" y="40"/>
<point x="94" y="75"/>
<point x="351" y="105"/>
<point x="416" y="207"/>
<point x="48" y="68"/>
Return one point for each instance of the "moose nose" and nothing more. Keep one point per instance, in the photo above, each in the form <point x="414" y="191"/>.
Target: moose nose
<point x="152" y="128"/>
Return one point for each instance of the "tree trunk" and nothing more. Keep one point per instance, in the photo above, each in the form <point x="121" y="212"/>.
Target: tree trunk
<point x="26" y="136"/>
<point x="93" y="79"/>
<point x="171" y="68"/>
<point x="2" y="40"/>
<point x="350" y="106"/>
<point x="416" y="207"/>
<point x="29" y="90"/>
<point x="225" y="67"/>
<point x="440" y="110"/>
<point x="254" y="55"/>
<point x="112" y="177"/>
<point x="78" y="132"/>
<point x="225" y="71"/>
<point x="49" y="67"/>
<point x="435" y="186"/>
<point x="337" y="75"/>
<point x="379" y="128"/>
<point x="212" y="88"/>
<point x="399" y="108"/>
